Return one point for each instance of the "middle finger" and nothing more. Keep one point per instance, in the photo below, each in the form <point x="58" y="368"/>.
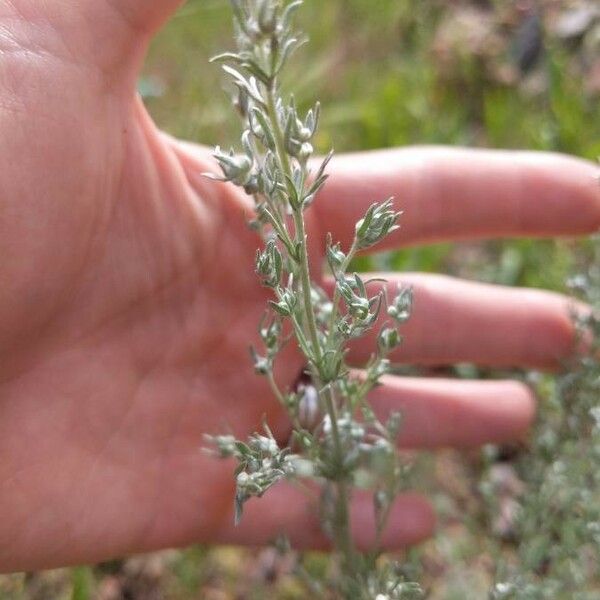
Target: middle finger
<point x="457" y="321"/>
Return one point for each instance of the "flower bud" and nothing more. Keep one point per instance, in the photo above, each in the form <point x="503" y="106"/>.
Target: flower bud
<point x="242" y="479"/>
<point x="236" y="168"/>
<point x="304" y="134"/>
<point x="335" y="257"/>
<point x="309" y="412"/>
<point x="379" y="221"/>
<point x="401" y="307"/>
<point x="269" y="265"/>
<point x="267" y="18"/>
<point x="388" y="339"/>
<point x="306" y="151"/>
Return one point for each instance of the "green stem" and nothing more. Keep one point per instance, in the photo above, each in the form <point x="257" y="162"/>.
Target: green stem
<point x="286" y="166"/>
<point x="342" y="519"/>
<point x="306" y="287"/>
<point x="275" y="388"/>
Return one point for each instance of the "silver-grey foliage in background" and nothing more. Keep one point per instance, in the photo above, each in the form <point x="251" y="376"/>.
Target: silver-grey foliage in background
<point x="337" y="441"/>
<point x="557" y="525"/>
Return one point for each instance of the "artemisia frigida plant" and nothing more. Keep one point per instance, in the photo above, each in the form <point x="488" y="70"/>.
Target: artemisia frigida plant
<point x="557" y="528"/>
<point x="343" y="444"/>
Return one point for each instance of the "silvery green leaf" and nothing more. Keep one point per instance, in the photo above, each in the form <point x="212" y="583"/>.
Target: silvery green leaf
<point x="238" y="510"/>
<point x="248" y="85"/>
<point x="393" y="424"/>
<point x="290" y="46"/>
<point x="236" y="168"/>
<point x="247" y="144"/>
<point x="335" y="256"/>
<point x="267" y="12"/>
<point x="262" y="365"/>
<point x="225" y="445"/>
<point x="264" y="444"/>
<point x="324" y="164"/>
<point x="252" y="185"/>
<point x="255" y="92"/>
<point x="242" y="38"/>
<point x="255" y="69"/>
<point x="242" y="448"/>
<point x="380" y="502"/>
<point x="293" y="197"/>
<point x="240" y="13"/>
<point x="269" y="264"/>
<point x="236" y="75"/>
<point x="304" y="468"/>
<point x="276" y="260"/>
<point x="345" y="290"/>
<point x="310" y="121"/>
<point x="270" y="331"/>
<point x="242" y="102"/>
<point x="214" y="177"/>
<point x="368" y="414"/>
<point x="331" y="366"/>
<point x="297" y="252"/>
<point x="368" y="320"/>
<point x="320" y="177"/>
<point x="344" y="327"/>
<point x="303" y="439"/>
<point x="227" y="56"/>
<point x="290" y="135"/>
<point x="317" y="185"/>
<point x="359" y="285"/>
<point x="351" y="459"/>
<point x="359" y="309"/>
<point x="363" y="225"/>
<point x="268" y="138"/>
<point x="308" y="200"/>
<point x="313" y="118"/>
<point x="378" y="222"/>
<point x="281" y="307"/>
<point x="288" y="12"/>
<point x="380" y="368"/>
<point x="298" y="178"/>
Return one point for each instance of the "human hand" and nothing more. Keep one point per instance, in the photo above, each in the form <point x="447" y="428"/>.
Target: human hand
<point x="128" y="302"/>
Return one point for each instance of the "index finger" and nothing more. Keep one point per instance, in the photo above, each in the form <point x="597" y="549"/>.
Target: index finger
<point x="462" y="194"/>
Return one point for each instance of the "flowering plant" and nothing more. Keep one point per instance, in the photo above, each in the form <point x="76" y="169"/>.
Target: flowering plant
<point x="338" y="442"/>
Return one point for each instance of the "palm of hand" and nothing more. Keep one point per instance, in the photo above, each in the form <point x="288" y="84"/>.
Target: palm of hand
<point x="131" y="306"/>
<point x="129" y="301"/>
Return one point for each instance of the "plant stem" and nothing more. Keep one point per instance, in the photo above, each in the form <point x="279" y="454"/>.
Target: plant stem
<point x="342" y="519"/>
<point x="300" y="231"/>
<point x="275" y="388"/>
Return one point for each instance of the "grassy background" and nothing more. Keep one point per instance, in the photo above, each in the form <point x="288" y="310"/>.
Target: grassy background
<point x="388" y="73"/>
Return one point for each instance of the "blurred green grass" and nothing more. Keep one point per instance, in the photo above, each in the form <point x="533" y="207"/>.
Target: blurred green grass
<point x="386" y="79"/>
<point x="386" y="76"/>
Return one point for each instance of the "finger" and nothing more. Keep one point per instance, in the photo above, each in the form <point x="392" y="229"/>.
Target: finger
<point x="454" y="194"/>
<point x="286" y="510"/>
<point x="445" y="412"/>
<point x="457" y="321"/>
